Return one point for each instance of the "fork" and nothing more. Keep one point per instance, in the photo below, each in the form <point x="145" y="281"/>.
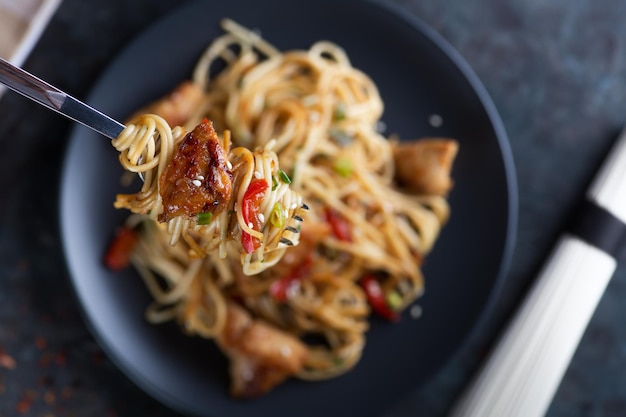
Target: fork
<point x="29" y="86"/>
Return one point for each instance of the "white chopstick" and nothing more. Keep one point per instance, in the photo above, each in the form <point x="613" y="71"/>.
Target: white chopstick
<point x="529" y="361"/>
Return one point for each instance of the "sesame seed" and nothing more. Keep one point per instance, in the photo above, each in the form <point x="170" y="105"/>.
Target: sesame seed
<point x="294" y="206"/>
<point x="314" y="117"/>
<point x="196" y="183"/>
<point x="229" y="165"/>
<point x="285" y="350"/>
<point x="200" y="177"/>
<point x="262" y="217"/>
<point x="258" y="175"/>
<point x="250" y="225"/>
<point x="435" y="120"/>
<point x="415" y="312"/>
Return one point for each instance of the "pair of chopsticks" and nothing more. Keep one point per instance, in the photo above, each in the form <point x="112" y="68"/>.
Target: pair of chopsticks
<point x="527" y="364"/>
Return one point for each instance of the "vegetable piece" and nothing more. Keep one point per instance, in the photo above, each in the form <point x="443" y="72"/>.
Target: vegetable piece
<point x="117" y="256"/>
<point x="205" y="218"/>
<point x="284" y="177"/>
<point x="338" y="224"/>
<point x="250" y="212"/>
<point x="343" y="166"/>
<point x="280" y="288"/>
<point x="340" y="136"/>
<point x="377" y="299"/>
<point x="279" y="215"/>
<point x="340" y="112"/>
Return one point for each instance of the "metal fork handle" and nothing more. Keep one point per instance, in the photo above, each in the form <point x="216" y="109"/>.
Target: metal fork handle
<point x="29" y="86"/>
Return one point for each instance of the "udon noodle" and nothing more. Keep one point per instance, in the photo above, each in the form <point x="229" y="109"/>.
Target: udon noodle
<point x="361" y="244"/>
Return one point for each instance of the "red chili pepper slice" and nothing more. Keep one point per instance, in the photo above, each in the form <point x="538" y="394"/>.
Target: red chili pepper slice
<point x="376" y="298"/>
<point x="250" y="207"/>
<point x="117" y="256"/>
<point x="280" y="288"/>
<point x="338" y="224"/>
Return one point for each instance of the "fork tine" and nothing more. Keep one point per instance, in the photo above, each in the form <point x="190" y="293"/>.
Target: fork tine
<point x="292" y="229"/>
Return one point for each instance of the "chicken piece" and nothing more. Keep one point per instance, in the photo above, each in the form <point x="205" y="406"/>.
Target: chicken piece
<point x="261" y="356"/>
<point x="178" y="106"/>
<point x="197" y="179"/>
<point x="423" y="166"/>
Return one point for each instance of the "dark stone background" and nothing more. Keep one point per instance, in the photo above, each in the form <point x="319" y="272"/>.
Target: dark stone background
<point x="556" y="71"/>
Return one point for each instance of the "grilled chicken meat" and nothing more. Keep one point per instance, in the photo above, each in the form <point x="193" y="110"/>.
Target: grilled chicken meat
<point x="423" y="166"/>
<point x="197" y="179"/>
<point x="261" y="356"/>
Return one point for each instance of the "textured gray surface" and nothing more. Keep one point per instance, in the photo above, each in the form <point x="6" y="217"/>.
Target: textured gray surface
<point x="556" y="71"/>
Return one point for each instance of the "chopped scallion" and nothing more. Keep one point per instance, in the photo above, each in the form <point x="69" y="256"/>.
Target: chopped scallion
<point x="278" y="216"/>
<point x="274" y="183"/>
<point x="343" y="166"/>
<point x="205" y="218"/>
<point x="284" y="177"/>
<point x="340" y="136"/>
<point x="394" y="300"/>
<point x="340" y="112"/>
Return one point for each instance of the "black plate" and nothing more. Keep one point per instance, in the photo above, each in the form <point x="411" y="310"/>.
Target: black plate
<point x="419" y="75"/>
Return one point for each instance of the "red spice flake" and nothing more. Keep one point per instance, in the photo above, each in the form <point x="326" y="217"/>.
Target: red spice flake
<point x="23" y="265"/>
<point x="46" y="381"/>
<point x="41" y="342"/>
<point x="49" y="397"/>
<point x="45" y="359"/>
<point x="47" y="318"/>
<point x="24" y="404"/>
<point x="97" y="358"/>
<point x="7" y="361"/>
<point x="66" y="392"/>
<point x="61" y="358"/>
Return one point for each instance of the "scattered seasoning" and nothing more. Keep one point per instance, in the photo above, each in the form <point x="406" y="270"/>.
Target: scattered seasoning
<point x="41" y="342"/>
<point x="26" y="401"/>
<point x="61" y="358"/>
<point x="46" y="381"/>
<point x="49" y="397"/>
<point x="435" y="120"/>
<point x="7" y="361"/>
<point x="66" y="393"/>
<point x="415" y="312"/>
<point x="97" y="358"/>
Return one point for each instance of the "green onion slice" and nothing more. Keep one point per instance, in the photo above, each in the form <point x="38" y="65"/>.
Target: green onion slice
<point x="278" y="216"/>
<point x="343" y="166"/>
<point x="284" y="177"/>
<point x="205" y="218"/>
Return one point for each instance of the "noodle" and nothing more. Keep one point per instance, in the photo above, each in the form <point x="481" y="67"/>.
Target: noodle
<point x="317" y="115"/>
